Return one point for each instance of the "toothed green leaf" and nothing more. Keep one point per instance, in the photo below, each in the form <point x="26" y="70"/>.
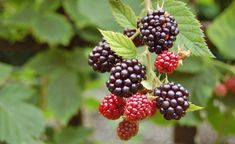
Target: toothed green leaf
<point x="123" y="14"/>
<point x="121" y="44"/>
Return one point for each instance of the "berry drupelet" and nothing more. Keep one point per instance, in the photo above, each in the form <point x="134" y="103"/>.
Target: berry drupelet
<point x="125" y="78"/>
<point x="159" y="30"/>
<point x="102" y="58"/>
<point x="172" y="100"/>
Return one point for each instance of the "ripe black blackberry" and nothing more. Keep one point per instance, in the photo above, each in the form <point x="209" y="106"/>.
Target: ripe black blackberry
<point x="159" y="30"/>
<point x="138" y="41"/>
<point x="172" y="100"/>
<point x="125" y="78"/>
<point x="102" y="58"/>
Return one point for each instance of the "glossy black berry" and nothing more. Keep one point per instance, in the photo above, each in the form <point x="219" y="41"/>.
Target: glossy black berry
<point x="102" y="58"/>
<point x="125" y="78"/>
<point x="172" y="100"/>
<point x="138" y="41"/>
<point x="159" y="30"/>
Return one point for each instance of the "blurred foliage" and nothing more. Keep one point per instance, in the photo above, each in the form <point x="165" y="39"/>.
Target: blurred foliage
<point x="49" y="84"/>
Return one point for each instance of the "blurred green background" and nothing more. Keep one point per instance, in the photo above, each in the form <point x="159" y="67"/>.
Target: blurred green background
<point x="49" y="94"/>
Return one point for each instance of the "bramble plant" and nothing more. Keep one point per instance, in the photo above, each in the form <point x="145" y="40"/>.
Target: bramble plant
<point x="169" y="32"/>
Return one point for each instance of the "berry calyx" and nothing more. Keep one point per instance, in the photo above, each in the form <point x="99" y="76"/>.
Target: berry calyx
<point x="137" y="40"/>
<point x="127" y="129"/>
<point x="125" y="78"/>
<point x="112" y="107"/>
<point x="159" y="30"/>
<point x="220" y="90"/>
<point x="172" y="100"/>
<point x="230" y="84"/>
<point x="139" y="107"/>
<point x="102" y="58"/>
<point x="166" y="62"/>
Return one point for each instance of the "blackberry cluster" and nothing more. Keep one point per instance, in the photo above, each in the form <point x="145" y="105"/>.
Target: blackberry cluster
<point x="102" y="58"/>
<point x="159" y="30"/>
<point x="125" y="78"/>
<point x="137" y="40"/>
<point x="172" y="100"/>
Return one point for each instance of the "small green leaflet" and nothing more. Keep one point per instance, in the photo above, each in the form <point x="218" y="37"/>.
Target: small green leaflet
<point x="121" y="44"/>
<point x="191" y="36"/>
<point x="194" y="107"/>
<point x="123" y="14"/>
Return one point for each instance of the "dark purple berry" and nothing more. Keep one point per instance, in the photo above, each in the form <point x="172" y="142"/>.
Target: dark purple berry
<point x="158" y="30"/>
<point x="172" y="100"/>
<point x="125" y="78"/>
<point x="102" y="58"/>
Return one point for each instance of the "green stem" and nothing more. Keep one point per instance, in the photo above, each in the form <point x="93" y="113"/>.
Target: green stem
<point x="42" y="93"/>
<point x="149" y="66"/>
<point x="148" y="4"/>
<point x="135" y="35"/>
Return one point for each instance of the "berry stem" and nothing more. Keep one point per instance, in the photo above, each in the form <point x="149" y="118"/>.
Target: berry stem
<point x="148" y="59"/>
<point x="135" y="35"/>
<point x="148" y="4"/>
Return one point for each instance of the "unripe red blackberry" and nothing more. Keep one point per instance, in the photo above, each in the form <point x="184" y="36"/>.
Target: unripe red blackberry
<point x="138" y="41"/>
<point x="166" y="62"/>
<point x="112" y="107"/>
<point x="102" y="58"/>
<point x="139" y="107"/>
<point x="125" y="78"/>
<point x="172" y="100"/>
<point x="220" y="90"/>
<point x="230" y="84"/>
<point x="159" y="30"/>
<point x="126" y="129"/>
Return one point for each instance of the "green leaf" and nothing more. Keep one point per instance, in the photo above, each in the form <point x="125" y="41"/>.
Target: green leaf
<point x="98" y="14"/>
<point x="63" y="92"/>
<point x="48" y="61"/>
<point x="190" y="119"/>
<point x="194" y="107"/>
<point x="24" y="15"/>
<point x="52" y="28"/>
<point x="223" y="37"/>
<point x="19" y="121"/>
<point x="5" y="71"/>
<point x="121" y="44"/>
<point x="147" y="85"/>
<point x="73" y="136"/>
<point x="221" y="121"/>
<point x="49" y="5"/>
<point x="191" y="36"/>
<point x="123" y="14"/>
<point x="17" y="91"/>
<point x="192" y="65"/>
<point x="71" y="8"/>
